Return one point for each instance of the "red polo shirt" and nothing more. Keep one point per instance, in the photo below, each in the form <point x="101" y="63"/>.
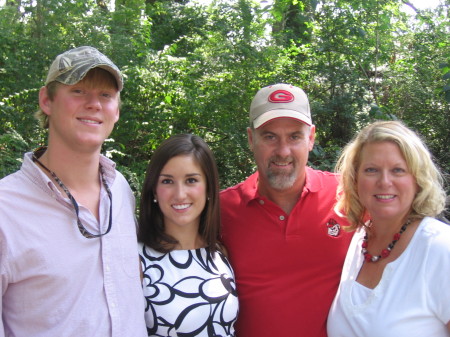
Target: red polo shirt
<point x="287" y="266"/>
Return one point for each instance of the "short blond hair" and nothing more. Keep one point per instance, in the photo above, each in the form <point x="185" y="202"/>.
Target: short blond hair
<point x="96" y="77"/>
<point x="431" y="197"/>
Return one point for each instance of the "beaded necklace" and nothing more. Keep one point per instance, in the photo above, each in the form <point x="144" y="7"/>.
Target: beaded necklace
<point x="385" y="252"/>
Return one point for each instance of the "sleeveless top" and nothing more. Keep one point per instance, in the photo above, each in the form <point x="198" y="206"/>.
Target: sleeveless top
<point x="188" y="293"/>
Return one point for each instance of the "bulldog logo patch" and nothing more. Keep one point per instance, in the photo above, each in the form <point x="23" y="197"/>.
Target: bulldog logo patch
<point x="333" y="227"/>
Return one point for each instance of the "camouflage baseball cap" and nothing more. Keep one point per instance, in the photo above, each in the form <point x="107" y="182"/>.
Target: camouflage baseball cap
<point x="71" y="66"/>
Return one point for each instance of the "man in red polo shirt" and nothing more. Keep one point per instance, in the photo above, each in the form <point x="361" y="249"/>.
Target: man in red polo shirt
<point x="286" y="244"/>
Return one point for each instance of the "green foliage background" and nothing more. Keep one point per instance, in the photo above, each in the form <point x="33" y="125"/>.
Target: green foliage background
<point x="195" y="68"/>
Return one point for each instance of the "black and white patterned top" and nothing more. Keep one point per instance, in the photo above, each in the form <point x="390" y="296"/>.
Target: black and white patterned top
<point x="188" y="293"/>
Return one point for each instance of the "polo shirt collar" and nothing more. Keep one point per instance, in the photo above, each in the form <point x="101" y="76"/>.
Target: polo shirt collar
<point x="313" y="184"/>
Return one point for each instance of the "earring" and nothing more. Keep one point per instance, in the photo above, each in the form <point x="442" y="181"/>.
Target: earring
<point x="155" y="201"/>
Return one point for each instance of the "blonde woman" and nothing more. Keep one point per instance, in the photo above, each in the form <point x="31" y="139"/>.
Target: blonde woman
<point x="397" y="270"/>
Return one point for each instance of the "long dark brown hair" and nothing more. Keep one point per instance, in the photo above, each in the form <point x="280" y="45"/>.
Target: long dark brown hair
<point x="151" y="229"/>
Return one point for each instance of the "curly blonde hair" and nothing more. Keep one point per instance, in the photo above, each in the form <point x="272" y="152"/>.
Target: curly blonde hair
<point x="431" y="197"/>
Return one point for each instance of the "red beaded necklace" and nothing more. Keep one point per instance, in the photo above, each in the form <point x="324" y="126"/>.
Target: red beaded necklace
<point x="385" y="252"/>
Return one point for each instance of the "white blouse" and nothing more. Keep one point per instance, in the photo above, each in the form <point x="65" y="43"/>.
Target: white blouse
<point x="412" y="298"/>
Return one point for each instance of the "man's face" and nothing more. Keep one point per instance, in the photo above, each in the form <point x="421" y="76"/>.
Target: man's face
<point x="81" y="115"/>
<point x="281" y="148"/>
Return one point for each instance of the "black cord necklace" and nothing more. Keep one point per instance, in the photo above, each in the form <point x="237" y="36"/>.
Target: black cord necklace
<point x="37" y="154"/>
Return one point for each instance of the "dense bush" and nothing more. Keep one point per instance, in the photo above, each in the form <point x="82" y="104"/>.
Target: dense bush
<point x="191" y="68"/>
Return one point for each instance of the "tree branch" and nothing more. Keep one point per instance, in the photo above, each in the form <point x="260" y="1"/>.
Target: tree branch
<point x="407" y="3"/>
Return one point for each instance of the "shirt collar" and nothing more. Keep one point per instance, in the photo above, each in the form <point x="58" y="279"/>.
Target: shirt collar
<point x="109" y="169"/>
<point x="31" y="169"/>
<point x="313" y="184"/>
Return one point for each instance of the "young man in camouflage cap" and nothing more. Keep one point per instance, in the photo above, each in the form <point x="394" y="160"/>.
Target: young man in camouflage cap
<point x="68" y="250"/>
